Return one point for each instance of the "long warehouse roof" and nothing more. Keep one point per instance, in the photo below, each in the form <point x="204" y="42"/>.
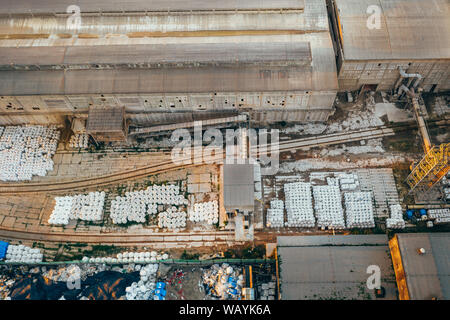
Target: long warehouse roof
<point x="281" y="53"/>
<point x="409" y="29"/>
<point x="60" y="6"/>
<point x="427" y="275"/>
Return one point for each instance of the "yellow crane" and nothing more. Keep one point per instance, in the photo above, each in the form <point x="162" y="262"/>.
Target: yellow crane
<point x="434" y="165"/>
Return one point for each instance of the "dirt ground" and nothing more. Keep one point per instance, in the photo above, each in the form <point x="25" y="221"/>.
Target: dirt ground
<point x="184" y="284"/>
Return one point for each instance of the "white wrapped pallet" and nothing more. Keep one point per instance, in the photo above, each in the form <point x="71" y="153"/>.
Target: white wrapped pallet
<point x="328" y="207"/>
<point x="23" y="254"/>
<point x="136" y="205"/>
<point x="359" y="209"/>
<point x="205" y="212"/>
<point x="275" y="214"/>
<point x="172" y="218"/>
<point x="79" y="140"/>
<point x="396" y="219"/>
<point x="299" y="208"/>
<point x="439" y="215"/>
<point x="79" y="207"/>
<point x="26" y="151"/>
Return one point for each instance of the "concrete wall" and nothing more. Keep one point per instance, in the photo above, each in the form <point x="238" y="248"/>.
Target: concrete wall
<point x="354" y="74"/>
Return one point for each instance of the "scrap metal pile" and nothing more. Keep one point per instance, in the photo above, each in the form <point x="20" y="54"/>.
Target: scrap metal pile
<point x="223" y="282"/>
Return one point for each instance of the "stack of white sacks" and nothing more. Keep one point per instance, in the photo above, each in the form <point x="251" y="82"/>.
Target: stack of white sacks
<point x="328" y="207"/>
<point x="299" y="207"/>
<point x="275" y="214"/>
<point x="129" y="257"/>
<point x="396" y="220"/>
<point x="359" y="209"/>
<point x="136" y="205"/>
<point x="144" y="288"/>
<point x="257" y="180"/>
<point x="440" y="215"/>
<point x="205" y="212"/>
<point x="79" y="141"/>
<point x="83" y="207"/>
<point x="26" y="151"/>
<point x="23" y="254"/>
<point x="172" y="218"/>
<point x="348" y="181"/>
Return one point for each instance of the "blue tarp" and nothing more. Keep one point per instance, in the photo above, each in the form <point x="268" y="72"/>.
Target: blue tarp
<point x="3" y="248"/>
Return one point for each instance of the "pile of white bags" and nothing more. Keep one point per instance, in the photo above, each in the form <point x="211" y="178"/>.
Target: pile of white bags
<point x="359" y="210"/>
<point x="172" y="218"/>
<point x="143" y="289"/>
<point x="129" y="257"/>
<point x="82" y="207"/>
<point x="205" y="212"/>
<point x="348" y="181"/>
<point x="136" y="205"/>
<point x="275" y="214"/>
<point x="439" y="215"/>
<point x="79" y="140"/>
<point x="26" y="151"/>
<point x="396" y="220"/>
<point x="23" y="254"/>
<point x="328" y="207"/>
<point x="299" y="207"/>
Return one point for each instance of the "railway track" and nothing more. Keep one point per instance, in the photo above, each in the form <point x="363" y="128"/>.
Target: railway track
<point x="165" y="166"/>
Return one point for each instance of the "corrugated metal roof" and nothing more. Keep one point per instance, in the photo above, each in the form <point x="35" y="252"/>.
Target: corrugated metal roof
<point x="349" y="240"/>
<point x="105" y="119"/>
<point x="282" y="53"/>
<point x="164" y="80"/>
<point x="410" y="29"/>
<point x="427" y="275"/>
<point x="320" y="267"/>
<point x="239" y="188"/>
<point x="59" y="6"/>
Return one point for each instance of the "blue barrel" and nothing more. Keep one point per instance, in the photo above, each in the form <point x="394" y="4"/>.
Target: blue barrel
<point x="160" y="292"/>
<point x="423" y="212"/>
<point x="3" y="249"/>
<point x="409" y="213"/>
<point x="160" y="285"/>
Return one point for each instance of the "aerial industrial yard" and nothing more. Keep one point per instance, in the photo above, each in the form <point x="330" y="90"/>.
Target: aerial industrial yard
<point x="225" y="150"/>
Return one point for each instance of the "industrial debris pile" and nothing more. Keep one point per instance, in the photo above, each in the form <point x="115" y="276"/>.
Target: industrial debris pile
<point x="79" y="207"/>
<point x="396" y="220"/>
<point x="359" y="209"/>
<point x="328" y="207"/>
<point x="79" y="140"/>
<point x="275" y="214"/>
<point x="136" y="205"/>
<point x="145" y="287"/>
<point x="205" y="212"/>
<point x="26" y="151"/>
<point x="299" y="207"/>
<point x="23" y="254"/>
<point x="223" y="282"/>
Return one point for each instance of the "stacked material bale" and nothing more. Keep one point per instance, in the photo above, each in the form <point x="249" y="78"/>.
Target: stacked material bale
<point x="26" y="151"/>
<point x="396" y="220"/>
<point x="328" y="207"/>
<point x="359" y="210"/>
<point x="87" y="207"/>
<point x="299" y="207"/>
<point x="275" y="214"/>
